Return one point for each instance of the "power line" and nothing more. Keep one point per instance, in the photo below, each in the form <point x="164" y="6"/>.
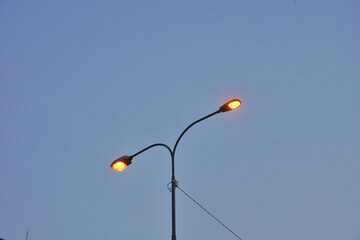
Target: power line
<point x="209" y="213"/>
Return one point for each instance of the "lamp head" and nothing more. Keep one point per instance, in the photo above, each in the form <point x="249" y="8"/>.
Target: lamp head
<point x="121" y="163"/>
<point x="230" y="105"/>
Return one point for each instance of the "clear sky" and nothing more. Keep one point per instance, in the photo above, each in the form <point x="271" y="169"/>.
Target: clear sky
<point x="84" y="82"/>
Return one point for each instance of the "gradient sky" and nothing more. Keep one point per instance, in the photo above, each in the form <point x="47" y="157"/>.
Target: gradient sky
<point x="84" y="82"/>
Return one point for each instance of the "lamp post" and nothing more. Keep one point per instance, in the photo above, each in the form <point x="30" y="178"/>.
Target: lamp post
<point x="121" y="163"/>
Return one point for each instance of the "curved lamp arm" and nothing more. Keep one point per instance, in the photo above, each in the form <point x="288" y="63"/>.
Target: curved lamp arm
<point x="121" y="163"/>
<point x="154" y="145"/>
<point x="197" y="121"/>
<point x="228" y="106"/>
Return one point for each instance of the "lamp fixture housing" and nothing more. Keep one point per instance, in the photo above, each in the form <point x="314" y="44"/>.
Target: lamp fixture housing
<point x="121" y="163"/>
<point x="230" y="105"/>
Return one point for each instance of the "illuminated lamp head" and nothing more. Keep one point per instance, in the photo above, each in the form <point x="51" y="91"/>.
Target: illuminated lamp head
<point x="230" y="105"/>
<point x="121" y="163"/>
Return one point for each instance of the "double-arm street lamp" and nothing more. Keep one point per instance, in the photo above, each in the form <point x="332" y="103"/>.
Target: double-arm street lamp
<point x="121" y="163"/>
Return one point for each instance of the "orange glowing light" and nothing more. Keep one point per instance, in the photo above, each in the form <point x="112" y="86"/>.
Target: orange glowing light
<point x="121" y="163"/>
<point x="119" y="166"/>
<point x="234" y="104"/>
<point x="230" y="105"/>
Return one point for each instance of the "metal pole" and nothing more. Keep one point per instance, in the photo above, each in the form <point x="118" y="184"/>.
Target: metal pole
<point x="174" y="183"/>
<point x="173" y="180"/>
<point x="173" y="187"/>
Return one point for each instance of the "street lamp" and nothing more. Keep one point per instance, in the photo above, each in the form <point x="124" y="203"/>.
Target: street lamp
<point x="121" y="163"/>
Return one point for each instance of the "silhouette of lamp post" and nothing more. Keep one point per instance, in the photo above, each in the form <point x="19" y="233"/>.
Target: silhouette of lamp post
<point x="121" y="163"/>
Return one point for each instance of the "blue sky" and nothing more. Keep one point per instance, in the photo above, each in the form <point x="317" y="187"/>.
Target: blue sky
<point x="84" y="82"/>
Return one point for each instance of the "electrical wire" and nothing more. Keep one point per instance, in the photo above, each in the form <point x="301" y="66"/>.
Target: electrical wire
<point x="168" y="187"/>
<point x="208" y="212"/>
